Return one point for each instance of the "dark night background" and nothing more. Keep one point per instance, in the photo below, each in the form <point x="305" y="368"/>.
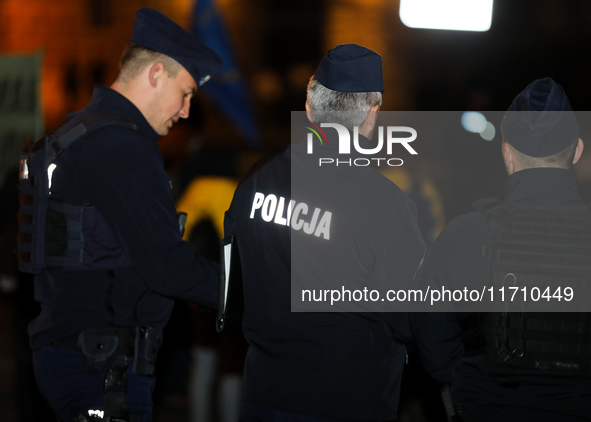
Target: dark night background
<point x="277" y="45"/>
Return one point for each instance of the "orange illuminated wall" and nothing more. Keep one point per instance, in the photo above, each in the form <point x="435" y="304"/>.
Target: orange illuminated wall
<point x="82" y="41"/>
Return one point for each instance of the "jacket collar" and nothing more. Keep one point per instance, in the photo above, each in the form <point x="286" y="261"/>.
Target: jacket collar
<point x="547" y="187"/>
<point x="107" y="100"/>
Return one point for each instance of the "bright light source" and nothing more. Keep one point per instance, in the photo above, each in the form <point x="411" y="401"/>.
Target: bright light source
<point x="488" y="134"/>
<point x="461" y="15"/>
<point x="473" y="121"/>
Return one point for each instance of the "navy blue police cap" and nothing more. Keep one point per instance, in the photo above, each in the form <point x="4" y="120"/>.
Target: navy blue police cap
<point x="154" y="30"/>
<point x="540" y="121"/>
<point x="351" y="68"/>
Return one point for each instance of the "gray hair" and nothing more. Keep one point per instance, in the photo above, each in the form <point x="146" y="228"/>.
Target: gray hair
<point x="346" y="108"/>
<point x="562" y="159"/>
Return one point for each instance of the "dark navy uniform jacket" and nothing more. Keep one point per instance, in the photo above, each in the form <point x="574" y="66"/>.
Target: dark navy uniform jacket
<point x="120" y="172"/>
<point x="455" y="261"/>
<point x="338" y="365"/>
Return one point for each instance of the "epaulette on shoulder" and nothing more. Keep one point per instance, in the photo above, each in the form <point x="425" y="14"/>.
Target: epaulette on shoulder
<point x="485" y="204"/>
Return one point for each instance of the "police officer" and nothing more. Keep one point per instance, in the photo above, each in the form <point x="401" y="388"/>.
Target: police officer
<point x="300" y="226"/>
<point x="521" y="366"/>
<point x="105" y="240"/>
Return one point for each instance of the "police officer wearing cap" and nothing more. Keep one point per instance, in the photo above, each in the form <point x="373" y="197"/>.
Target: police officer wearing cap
<point x="346" y="226"/>
<point x="517" y="366"/>
<point x="111" y="259"/>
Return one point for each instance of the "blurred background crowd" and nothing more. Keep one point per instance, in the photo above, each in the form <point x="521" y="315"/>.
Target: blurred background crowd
<point x="53" y="52"/>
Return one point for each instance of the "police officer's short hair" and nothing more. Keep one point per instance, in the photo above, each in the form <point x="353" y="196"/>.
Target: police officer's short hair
<point x="346" y="108"/>
<point x="136" y="57"/>
<point x="562" y="159"/>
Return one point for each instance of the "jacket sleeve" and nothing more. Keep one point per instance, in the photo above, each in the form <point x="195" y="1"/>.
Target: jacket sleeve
<point x="437" y="334"/>
<point x="400" y="249"/>
<point x="125" y="180"/>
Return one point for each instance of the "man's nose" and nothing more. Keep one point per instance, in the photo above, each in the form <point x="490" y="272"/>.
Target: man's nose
<point x="184" y="113"/>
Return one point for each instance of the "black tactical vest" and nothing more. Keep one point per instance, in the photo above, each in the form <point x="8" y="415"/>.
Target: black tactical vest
<point x="534" y="247"/>
<point x="54" y="234"/>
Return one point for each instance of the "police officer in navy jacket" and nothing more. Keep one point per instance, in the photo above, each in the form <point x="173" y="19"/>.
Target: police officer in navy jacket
<point x="517" y="366"/>
<point x="299" y="226"/>
<point x="118" y="260"/>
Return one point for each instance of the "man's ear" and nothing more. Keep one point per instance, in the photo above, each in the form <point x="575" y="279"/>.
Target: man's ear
<point x="578" y="151"/>
<point x="372" y="118"/>
<point x="156" y="72"/>
<point x="308" y="114"/>
<point x="508" y="156"/>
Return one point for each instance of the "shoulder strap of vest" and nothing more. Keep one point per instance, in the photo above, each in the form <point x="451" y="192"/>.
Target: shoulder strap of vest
<point x="76" y="128"/>
<point x="494" y="211"/>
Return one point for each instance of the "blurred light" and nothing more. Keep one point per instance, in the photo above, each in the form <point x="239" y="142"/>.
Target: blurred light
<point x="473" y="121"/>
<point x="488" y="134"/>
<point x="461" y="15"/>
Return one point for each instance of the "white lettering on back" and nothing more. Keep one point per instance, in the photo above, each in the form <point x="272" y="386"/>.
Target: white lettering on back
<point x="272" y="209"/>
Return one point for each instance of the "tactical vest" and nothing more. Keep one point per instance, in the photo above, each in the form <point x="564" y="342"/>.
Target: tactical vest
<point x="54" y="234"/>
<point x="533" y="246"/>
